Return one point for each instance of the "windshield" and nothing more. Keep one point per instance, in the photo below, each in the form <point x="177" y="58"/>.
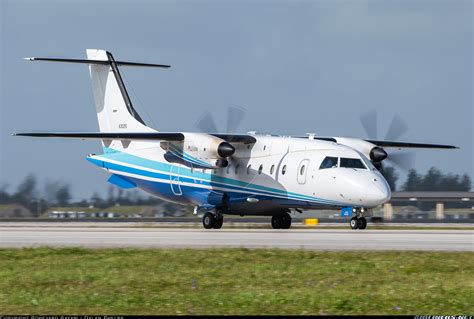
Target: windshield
<point x="367" y="162"/>
<point x="329" y="162"/>
<point x="352" y="163"/>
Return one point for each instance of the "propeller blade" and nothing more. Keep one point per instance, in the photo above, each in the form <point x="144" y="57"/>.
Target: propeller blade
<point x="404" y="160"/>
<point x="206" y="123"/>
<point x="235" y="116"/>
<point x="397" y="128"/>
<point x="369" y="123"/>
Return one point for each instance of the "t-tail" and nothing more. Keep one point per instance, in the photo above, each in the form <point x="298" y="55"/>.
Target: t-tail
<point x="115" y="112"/>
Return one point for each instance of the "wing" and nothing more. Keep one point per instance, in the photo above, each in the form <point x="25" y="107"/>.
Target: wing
<point x="156" y="136"/>
<point x="410" y="145"/>
<point x="387" y="144"/>
<point x="236" y="138"/>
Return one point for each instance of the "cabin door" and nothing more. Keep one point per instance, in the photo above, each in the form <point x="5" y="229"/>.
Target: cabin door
<point x="302" y="171"/>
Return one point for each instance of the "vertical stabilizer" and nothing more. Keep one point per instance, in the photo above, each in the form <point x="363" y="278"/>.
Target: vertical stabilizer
<point x="115" y="111"/>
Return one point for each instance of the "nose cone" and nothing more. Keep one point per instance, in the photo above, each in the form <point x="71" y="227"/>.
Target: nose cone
<point x="379" y="192"/>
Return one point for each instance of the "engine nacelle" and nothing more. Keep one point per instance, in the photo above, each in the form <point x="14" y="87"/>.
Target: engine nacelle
<point x="375" y="153"/>
<point x="200" y="150"/>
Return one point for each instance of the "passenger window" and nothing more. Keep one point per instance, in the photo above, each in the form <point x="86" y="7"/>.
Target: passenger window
<point x="302" y="170"/>
<point x="283" y="170"/>
<point x="260" y="169"/>
<point x="237" y="169"/>
<point x="352" y="163"/>
<point x="329" y="162"/>
<point x="272" y="169"/>
<point x="248" y="169"/>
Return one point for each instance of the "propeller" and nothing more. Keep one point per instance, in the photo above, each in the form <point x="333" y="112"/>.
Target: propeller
<point x="207" y="124"/>
<point x="235" y="116"/>
<point x="396" y="129"/>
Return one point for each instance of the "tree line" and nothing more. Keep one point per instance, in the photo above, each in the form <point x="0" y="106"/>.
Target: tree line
<point x="434" y="180"/>
<point x="59" y="194"/>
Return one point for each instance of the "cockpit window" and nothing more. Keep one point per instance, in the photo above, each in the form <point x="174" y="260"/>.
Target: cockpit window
<point x="352" y="163"/>
<point x="367" y="162"/>
<point x="329" y="162"/>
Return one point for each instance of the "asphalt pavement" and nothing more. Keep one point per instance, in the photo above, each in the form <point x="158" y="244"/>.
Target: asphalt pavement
<point x="312" y="239"/>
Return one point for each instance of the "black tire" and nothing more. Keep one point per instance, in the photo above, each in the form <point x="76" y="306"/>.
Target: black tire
<point x="208" y="220"/>
<point x="276" y="222"/>
<point x="362" y="223"/>
<point x="354" y="223"/>
<point x="286" y="221"/>
<point x="219" y="220"/>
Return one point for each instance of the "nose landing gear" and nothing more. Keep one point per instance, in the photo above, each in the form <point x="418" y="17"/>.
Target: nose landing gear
<point x="358" y="221"/>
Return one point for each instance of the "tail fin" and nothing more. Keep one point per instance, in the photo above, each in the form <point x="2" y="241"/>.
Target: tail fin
<point x="114" y="108"/>
<point x="115" y="111"/>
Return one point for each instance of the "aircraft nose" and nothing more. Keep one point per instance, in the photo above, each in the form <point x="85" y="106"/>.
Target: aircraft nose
<point x="380" y="190"/>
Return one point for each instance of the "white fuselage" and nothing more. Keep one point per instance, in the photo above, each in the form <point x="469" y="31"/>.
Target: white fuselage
<point x="283" y="171"/>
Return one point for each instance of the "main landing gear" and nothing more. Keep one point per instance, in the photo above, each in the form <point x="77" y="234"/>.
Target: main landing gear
<point x="358" y="221"/>
<point x="281" y="221"/>
<point x="210" y="220"/>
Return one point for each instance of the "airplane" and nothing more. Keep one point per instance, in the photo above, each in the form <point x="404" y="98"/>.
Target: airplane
<point x="228" y="173"/>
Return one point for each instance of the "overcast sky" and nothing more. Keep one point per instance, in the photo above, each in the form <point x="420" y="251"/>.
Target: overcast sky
<point x="296" y="66"/>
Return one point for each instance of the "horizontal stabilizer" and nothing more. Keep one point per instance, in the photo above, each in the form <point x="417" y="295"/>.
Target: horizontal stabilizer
<point x="101" y="62"/>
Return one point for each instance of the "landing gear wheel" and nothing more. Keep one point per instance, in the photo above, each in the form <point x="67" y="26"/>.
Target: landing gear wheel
<point x="362" y="223"/>
<point x="281" y="221"/>
<point x="354" y="223"/>
<point x="208" y="220"/>
<point x="286" y="221"/>
<point x="219" y="220"/>
<point x="276" y="222"/>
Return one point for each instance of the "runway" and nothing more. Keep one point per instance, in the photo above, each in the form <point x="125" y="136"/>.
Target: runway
<point x="311" y="239"/>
